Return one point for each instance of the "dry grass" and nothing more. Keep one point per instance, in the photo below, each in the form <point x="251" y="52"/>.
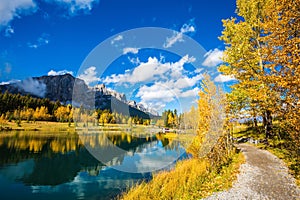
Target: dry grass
<point x="57" y="126"/>
<point x="39" y="126"/>
<point x="190" y="179"/>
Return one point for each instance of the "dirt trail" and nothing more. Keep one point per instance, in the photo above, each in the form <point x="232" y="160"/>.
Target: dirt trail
<point x="263" y="176"/>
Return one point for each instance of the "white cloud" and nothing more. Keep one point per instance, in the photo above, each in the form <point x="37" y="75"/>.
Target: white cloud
<point x="9" y="82"/>
<point x="151" y="70"/>
<point x="169" y="81"/>
<point x="190" y="93"/>
<point x="146" y="71"/>
<point x="130" y="50"/>
<point x="9" y="31"/>
<point x="42" y="40"/>
<point x="157" y="95"/>
<point x="89" y="75"/>
<point x="177" y="67"/>
<point x="33" y="86"/>
<point x="224" y="78"/>
<point x="56" y="73"/>
<point x="178" y="36"/>
<point x="118" y="38"/>
<point x="135" y="61"/>
<point x="185" y="82"/>
<point x="10" y="9"/>
<point x="213" y="58"/>
<point x="160" y="93"/>
<point x="187" y="28"/>
<point x="4" y="83"/>
<point x="76" y="6"/>
<point x="198" y="70"/>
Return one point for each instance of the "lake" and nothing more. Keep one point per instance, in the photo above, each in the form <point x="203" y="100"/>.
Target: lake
<point x="93" y="165"/>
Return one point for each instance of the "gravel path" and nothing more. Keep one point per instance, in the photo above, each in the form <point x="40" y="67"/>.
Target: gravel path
<point x="263" y="176"/>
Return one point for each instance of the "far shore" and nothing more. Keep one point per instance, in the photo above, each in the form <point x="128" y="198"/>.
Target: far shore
<point x="70" y="127"/>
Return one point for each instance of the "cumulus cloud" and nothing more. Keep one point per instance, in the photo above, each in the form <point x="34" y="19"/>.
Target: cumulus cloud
<point x="161" y="93"/>
<point x="158" y="91"/>
<point x="33" y="86"/>
<point x="10" y="9"/>
<point x="116" y="39"/>
<point x="169" y="81"/>
<point x="190" y="93"/>
<point x="89" y="75"/>
<point x="178" y="36"/>
<point x="56" y="73"/>
<point x="130" y="50"/>
<point x="151" y="70"/>
<point x="157" y="95"/>
<point x="185" y="82"/>
<point x="42" y="40"/>
<point x="75" y="7"/>
<point x="213" y="58"/>
<point x="224" y="78"/>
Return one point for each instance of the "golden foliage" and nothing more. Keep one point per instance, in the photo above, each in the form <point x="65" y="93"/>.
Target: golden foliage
<point x="262" y="53"/>
<point x="210" y="118"/>
<point x="191" y="120"/>
<point x="190" y="179"/>
<point x="41" y="113"/>
<point x="63" y="113"/>
<point x="282" y="51"/>
<point x="3" y="121"/>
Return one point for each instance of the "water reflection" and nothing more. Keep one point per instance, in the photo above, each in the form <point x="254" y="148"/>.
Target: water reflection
<point x="132" y="153"/>
<point x="51" y="165"/>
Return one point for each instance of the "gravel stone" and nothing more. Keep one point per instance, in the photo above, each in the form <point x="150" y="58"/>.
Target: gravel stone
<point x="262" y="177"/>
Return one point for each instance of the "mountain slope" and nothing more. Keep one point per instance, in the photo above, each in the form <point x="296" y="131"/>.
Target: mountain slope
<point x="65" y="87"/>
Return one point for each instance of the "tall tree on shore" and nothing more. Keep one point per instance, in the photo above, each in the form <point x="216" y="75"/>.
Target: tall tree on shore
<point x="210" y="118"/>
<point x="244" y="59"/>
<point x="263" y="54"/>
<point x="282" y="50"/>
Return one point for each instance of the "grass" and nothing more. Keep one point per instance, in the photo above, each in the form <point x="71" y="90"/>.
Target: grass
<point x="61" y="126"/>
<point x="248" y="132"/>
<point x="280" y="145"/>
<point x="39" y="126"/>
<point x="190" y="179"/>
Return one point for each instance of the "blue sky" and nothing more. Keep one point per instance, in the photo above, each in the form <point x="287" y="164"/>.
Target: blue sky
<point x="40" y="37"/>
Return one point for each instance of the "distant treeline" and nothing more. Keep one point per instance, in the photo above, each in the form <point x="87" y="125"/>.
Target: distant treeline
<point x="11" y="102"/>
<point x="17" y="107"/>
<point x="26" y="108"/>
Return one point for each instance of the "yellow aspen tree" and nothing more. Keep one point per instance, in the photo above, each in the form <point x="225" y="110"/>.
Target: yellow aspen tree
<point x="3" y="121"/>
<point x="245" y="60"/>
<point x="170" y="119"/>
<point x="282" y="50"/>
<point x="210" y="118"/>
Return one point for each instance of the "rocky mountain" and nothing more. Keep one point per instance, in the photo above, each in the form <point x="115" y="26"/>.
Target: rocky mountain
<point x="68" y="89"/>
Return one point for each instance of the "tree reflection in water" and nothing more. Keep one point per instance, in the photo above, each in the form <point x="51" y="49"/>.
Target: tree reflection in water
<point x="58" y="158"/>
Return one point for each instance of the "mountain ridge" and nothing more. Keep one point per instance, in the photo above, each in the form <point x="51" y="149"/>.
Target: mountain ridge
<point x="61" y="88"/>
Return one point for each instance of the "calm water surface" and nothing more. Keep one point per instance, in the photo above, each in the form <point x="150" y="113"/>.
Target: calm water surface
<point x="44" y="165"/>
